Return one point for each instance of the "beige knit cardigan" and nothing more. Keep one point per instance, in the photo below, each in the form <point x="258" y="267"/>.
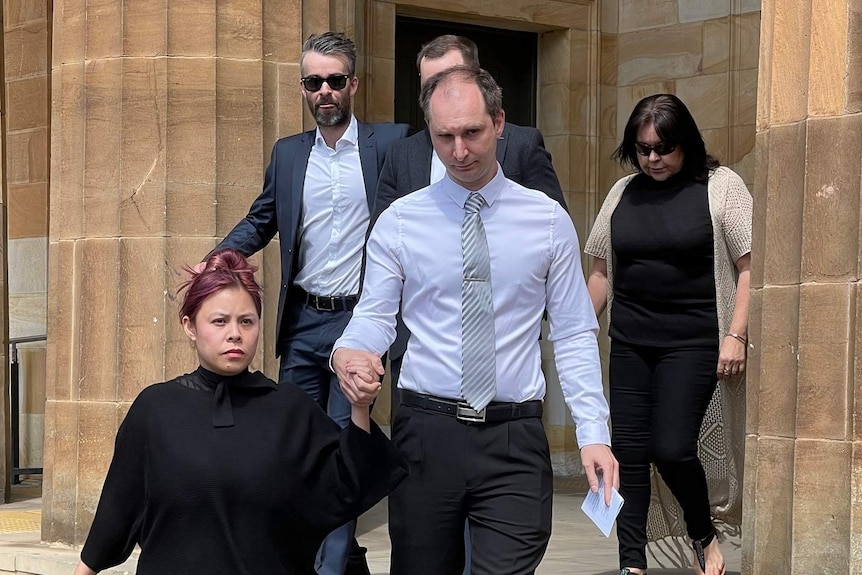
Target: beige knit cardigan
<point x="721" y="442"/>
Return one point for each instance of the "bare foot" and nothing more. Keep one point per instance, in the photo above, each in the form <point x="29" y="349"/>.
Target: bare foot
<point x="713" y="558"/>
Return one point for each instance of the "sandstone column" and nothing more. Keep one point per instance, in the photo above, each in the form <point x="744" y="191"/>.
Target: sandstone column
<point x="163" y="117"/>
<point x="803" y="483"/>
<point x="4" y="293"/>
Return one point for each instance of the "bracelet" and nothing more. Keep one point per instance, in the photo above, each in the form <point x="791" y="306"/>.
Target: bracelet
<point x="740" y="338"/>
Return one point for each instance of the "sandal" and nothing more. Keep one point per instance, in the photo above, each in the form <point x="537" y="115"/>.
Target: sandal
<point x="699" y="545"/>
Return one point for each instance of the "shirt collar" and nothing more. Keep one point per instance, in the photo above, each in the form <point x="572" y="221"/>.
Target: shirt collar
<point x="351" y="134"/>
<point x="490" y="191"/>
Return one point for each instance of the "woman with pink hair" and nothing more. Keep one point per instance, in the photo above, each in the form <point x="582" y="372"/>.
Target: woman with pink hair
<point x="221" y="470"/>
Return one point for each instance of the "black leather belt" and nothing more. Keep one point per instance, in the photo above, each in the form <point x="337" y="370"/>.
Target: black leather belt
<point x="326" y="302"/>
<point x="496" y="411"/>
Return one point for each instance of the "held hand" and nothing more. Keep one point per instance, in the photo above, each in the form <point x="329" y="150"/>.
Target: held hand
<point x="360" y="393"/>
<point x="731" y="358"/>
<point x="368" y="368"/>
<point x="359" y="374"/>
<point x="598" y="458"/>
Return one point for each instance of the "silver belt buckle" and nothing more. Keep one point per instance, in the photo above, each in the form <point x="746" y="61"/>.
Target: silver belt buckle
<point x="466" y="413"/>
<point x="329" y="304"/>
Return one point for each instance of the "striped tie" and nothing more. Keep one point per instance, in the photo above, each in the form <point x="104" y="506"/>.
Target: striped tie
<point x="478" y="366"/>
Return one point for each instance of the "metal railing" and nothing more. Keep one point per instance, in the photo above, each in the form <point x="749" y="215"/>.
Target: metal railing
<point x="15" y="408"/>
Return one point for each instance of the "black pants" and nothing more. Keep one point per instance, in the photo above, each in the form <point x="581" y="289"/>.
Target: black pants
<point x="394" y="376"/>
<point x="495" y="476"/>
<point x="658" y="399"/>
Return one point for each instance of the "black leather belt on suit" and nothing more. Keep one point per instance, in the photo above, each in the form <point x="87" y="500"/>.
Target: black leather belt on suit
<point x="496" y="411"/>
<point x="326" y="302"/>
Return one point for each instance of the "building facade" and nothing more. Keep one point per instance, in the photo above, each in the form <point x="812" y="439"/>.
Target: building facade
<point x="137" y="134"/>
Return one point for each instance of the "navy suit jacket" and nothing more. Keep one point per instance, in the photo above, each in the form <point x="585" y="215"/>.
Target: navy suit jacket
<point x="520" y="152"/>
<point x="279" y="206"/>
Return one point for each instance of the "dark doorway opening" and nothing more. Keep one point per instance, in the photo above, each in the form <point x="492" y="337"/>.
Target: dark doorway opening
<point x="510" y="56"/>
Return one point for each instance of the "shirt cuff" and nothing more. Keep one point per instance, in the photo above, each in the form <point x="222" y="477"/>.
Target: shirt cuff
<point x="593" y="433"/>
<point x="331" y="355"/>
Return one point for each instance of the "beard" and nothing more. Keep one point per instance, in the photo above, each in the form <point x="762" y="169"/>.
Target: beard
<point x="328" y="118"/>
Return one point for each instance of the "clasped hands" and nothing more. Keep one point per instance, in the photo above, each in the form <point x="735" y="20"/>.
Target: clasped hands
<point x="359" y="374"/>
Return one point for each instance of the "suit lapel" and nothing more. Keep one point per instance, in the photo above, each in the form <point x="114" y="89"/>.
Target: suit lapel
<point x="368" y="159"/>
<point x="297" y="184"/>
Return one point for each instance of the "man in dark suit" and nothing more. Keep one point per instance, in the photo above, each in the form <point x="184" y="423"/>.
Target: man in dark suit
<point x="412" y="163"/>
<point x="318" y="194"/>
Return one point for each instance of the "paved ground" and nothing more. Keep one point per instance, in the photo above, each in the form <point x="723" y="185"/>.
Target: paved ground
<point x="576" y="548"/>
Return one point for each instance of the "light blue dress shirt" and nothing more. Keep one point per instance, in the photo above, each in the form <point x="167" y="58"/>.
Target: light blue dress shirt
<point x="414" y="259"/>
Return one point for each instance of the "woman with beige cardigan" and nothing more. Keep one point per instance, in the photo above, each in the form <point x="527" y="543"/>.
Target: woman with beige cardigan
<point x="676" y="269"/>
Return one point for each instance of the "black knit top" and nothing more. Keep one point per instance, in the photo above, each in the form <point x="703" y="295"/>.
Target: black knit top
<point x="664" y="284"/>
<point x="233" y="475"/>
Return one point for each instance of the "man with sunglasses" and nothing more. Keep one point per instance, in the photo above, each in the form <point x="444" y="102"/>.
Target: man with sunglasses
<point x="317" y="195"/>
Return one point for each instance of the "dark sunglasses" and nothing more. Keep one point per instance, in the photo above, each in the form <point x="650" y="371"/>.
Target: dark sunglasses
<point x="335" y="81"/>
<point x="662" y="148"/>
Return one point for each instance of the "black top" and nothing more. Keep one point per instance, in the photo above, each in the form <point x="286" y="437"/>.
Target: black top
<point x="233" y="475"/>
<point x="664" y="277"/>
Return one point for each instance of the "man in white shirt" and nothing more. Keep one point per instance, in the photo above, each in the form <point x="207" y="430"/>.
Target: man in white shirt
<point x="317" y="195"/>
<point x="411" y="164"/>
<point x="488" y="464"/>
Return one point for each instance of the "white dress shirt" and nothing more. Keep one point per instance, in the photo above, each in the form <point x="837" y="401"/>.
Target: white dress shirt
<point x="414" y="257"/>
<point x="334" y="217"/>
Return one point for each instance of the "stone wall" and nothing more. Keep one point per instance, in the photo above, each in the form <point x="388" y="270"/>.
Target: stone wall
<point x="27" y="48"/>
<point x="704" y="52"/>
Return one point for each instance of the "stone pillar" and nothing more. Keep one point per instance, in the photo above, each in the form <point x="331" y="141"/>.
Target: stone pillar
<point x="163" y="117"/>
<point x="803" y="479"/>
<point x="4" y="295"/>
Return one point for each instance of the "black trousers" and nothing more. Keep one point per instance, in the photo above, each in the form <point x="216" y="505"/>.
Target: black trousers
<point x="495" y="476"/>
<point x="394" y="376"/>
<point x="658" y="399"/>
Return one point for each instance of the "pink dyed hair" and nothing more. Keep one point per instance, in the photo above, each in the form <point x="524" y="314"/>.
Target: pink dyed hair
<point x="225" y="269"/>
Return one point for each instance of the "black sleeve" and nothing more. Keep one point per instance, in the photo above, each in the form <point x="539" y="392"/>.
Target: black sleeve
<point x="343" y="472"/>
<point x="259" y="226"/>
<point x="117" y="524"/>
<point x="537" y="170"/>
